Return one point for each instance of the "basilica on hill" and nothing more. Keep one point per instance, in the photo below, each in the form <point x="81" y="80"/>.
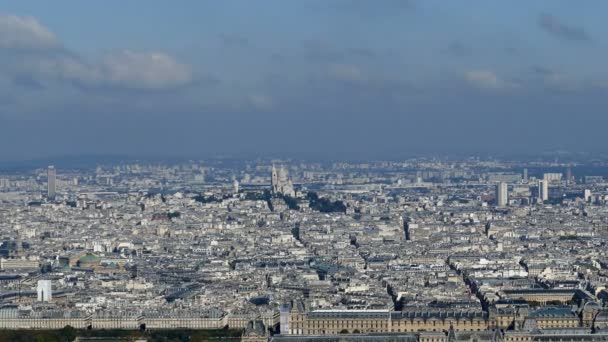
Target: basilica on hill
<point x="281" y="184"/>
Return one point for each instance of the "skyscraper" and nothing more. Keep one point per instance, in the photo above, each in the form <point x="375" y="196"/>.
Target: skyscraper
<point x="51" y="182"/>
<point x="525" y="175"/>
<point x="502" y="194"/>
<point x="543" y="190"/>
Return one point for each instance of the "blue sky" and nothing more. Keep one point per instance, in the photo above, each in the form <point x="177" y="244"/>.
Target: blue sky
<point x="332" y="78"/>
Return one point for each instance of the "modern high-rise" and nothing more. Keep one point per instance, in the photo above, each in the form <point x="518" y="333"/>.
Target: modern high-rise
<point x="502" y="194"/>
<point x="543" y="190"/>
<point x="51" y="181"/>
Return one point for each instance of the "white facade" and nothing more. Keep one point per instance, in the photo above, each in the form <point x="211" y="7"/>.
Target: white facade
<point x="45" y="291"/>
<point x="543" y="190"/>
<point x="552" y="177"/>
<point x="587" y="195"/>
<point x="502" y="194"/>
<point x="280" y="182"/>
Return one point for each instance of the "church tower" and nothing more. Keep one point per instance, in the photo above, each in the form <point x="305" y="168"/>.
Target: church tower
<point x="274" y="180"/>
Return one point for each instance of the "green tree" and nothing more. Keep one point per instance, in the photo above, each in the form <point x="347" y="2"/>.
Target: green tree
<point x="69" y="333"/>
<point x="295" y="231"/>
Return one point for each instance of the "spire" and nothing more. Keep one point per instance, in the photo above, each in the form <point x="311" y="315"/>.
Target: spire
<point x="274" y="180"/>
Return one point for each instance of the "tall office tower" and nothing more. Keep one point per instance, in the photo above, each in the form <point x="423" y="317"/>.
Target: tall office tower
<point x="51" y="181"/>
<point x="45" y="290"/>
<point x="502" y="194"/>
<point x="568" y="175"/>
<point x="525" y="175"/>
<point x="543" y="190"/>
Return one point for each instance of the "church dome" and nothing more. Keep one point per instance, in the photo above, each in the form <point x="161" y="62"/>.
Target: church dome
<point x="89" y="260"/>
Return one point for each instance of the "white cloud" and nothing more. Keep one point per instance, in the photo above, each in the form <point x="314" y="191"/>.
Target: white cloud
<point x="30" y="48"/>
<point x="24" y="32"/>
<point x="486" y="79"/>
<point x="58" y="67"/>
<point x="138" y="70"/>
<point x="150" y="70"/>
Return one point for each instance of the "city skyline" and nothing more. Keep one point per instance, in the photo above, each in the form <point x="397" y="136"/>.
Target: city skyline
<point x="305" y="170"/>
<point x="262" y="250"/>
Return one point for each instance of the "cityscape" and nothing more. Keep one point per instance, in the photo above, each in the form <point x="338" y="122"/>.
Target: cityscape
<point x="424" y="249"/>
<point x="303" y="171"/>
